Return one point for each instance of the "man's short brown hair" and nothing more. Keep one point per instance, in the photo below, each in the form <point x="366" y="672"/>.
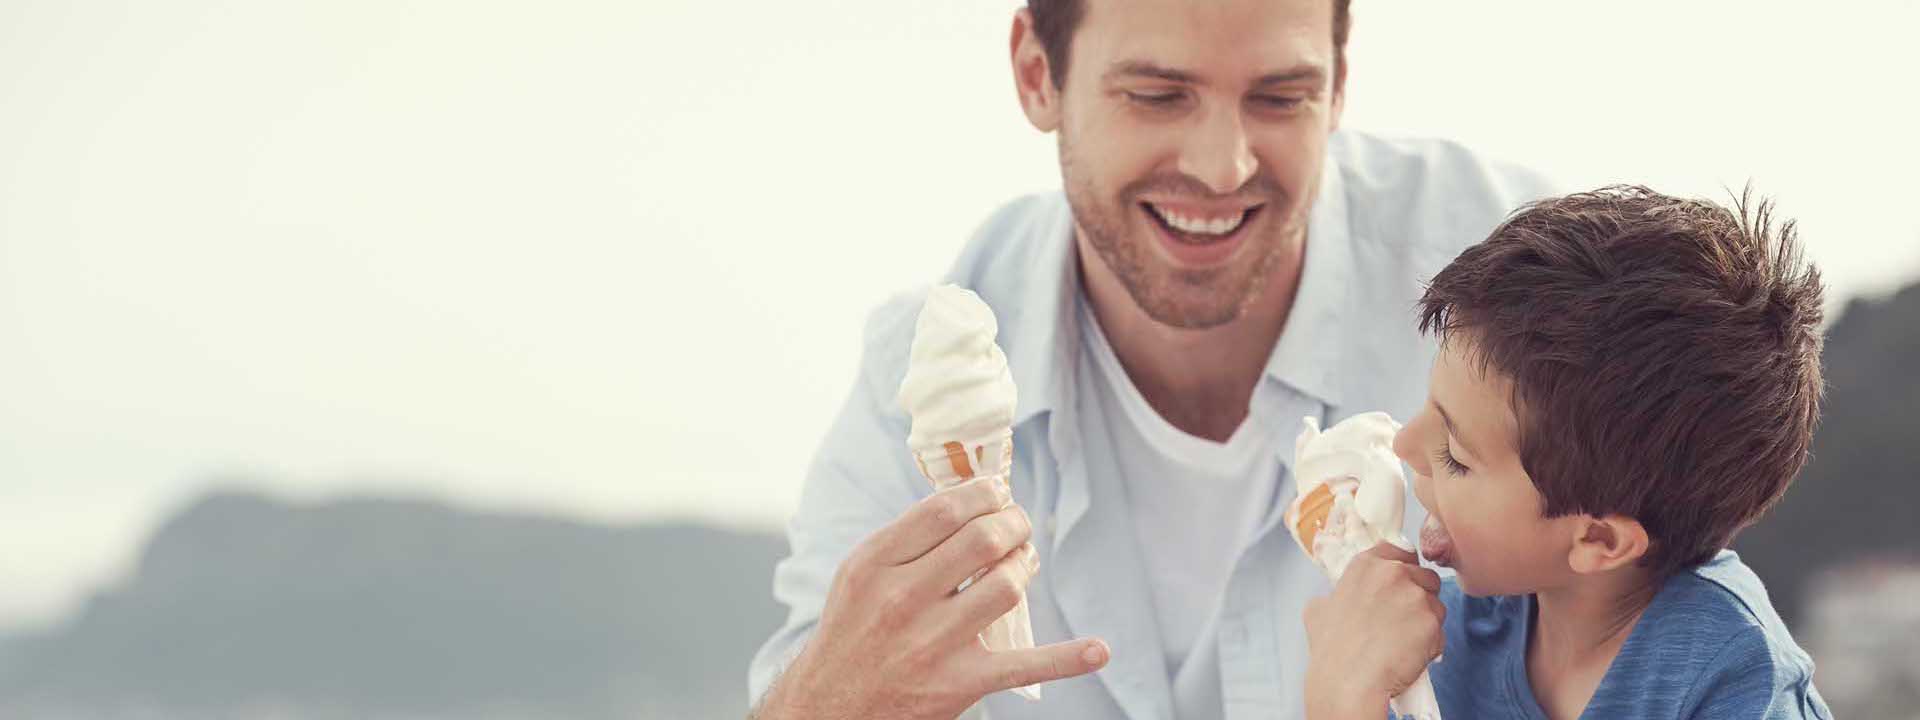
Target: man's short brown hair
<point x="1664" y="355"/>
<point x="1054" y="22"/>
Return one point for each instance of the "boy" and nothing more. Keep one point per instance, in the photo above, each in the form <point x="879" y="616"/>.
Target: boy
<point x="1625" y="381"/>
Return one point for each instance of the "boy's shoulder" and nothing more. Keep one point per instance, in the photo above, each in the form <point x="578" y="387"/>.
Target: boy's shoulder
<point x="1711" y="644"/>
<point x="1717" y="602"/>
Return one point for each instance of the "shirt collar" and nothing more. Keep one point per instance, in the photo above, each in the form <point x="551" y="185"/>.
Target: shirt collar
<point x="1046" y="325"/>
<point x="1313" y="343"/>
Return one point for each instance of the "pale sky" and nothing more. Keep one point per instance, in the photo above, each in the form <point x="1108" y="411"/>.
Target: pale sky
<point x="611" y="258"/>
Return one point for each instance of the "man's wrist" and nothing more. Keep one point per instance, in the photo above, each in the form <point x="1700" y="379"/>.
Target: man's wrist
<point x="785" y="698"/>
<point x="772" y="704"/>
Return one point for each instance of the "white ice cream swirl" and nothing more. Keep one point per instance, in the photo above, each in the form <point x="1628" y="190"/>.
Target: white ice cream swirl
<point x="958" y="387"/>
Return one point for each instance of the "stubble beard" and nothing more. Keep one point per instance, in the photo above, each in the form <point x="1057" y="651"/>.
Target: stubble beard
<point x="1186" y="298"/>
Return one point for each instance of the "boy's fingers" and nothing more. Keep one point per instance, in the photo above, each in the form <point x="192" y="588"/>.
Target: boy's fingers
<point x="1428" y="580"/>
<point x="1010" y="669"/>
<point x="1389" y="551"/>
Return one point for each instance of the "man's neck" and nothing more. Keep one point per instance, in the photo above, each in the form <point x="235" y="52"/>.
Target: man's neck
<point x="1200" y="381"/>
<point x="1577" y="631"/>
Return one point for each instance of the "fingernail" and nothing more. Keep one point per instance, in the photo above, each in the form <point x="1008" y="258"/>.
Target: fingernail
<point x="1032" y="556"/>
<point x="1095" y="654"/>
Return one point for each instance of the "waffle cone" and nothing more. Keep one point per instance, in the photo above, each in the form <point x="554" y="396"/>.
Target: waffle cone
<point x="1312" y="516"/>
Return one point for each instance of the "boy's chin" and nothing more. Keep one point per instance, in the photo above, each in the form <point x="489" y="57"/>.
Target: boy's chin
<point x="1480" y="587"/>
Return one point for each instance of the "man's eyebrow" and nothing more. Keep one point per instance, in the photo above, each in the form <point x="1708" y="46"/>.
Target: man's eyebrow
<point x="1448" y="422"/>
<point x="1142" y="68"/>
<point x="1304" y="72"/>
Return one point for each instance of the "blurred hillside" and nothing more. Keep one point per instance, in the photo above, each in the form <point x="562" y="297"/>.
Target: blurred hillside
<point x="1860" y="494"/>
<point x="242" y="606"/>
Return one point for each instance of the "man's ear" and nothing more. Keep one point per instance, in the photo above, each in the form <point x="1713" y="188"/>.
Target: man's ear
<point x="1339" y="93"/>
<point x="1606" y="542"/>
<point x="1032" y="76"/>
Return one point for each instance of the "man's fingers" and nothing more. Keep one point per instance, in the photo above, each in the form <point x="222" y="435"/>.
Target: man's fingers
<point x="985" y="540"/>
<point x="937" y="517"/>
<point x="1389" y="551"/>
<point x="991" y="595"/>
<point x="1010" y="669"/>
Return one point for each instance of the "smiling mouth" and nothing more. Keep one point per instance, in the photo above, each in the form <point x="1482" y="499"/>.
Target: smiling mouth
<point x="1200" y="230"/>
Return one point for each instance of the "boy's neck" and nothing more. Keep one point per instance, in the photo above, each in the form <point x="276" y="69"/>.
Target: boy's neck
<point x="1577" y="630"/>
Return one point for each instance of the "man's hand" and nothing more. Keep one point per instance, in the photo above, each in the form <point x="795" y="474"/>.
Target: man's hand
<point x="1373" y="635"/>
<point x="896" y="640"/>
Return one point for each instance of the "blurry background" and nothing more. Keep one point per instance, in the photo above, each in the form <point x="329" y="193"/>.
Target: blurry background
<point x="456" y="359"/>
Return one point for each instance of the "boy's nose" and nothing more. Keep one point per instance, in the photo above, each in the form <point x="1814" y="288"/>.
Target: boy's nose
<point x="1407" y="446"/>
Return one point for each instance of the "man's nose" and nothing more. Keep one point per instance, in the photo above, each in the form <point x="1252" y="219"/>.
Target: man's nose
<point x="1218" y="152"/>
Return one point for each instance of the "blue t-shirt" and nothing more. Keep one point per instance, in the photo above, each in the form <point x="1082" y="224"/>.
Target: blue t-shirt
<point x="1709" y="646"/>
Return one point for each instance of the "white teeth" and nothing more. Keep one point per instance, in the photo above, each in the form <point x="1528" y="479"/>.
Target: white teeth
<point x="1199" y="226"/>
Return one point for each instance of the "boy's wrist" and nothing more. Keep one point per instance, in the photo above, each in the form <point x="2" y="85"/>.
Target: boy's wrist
<point x="1338" y="697"/>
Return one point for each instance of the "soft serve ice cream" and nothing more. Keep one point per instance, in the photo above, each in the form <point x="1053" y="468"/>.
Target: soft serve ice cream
<point x="961" y="397"/>
<point x="957" y="387"/>
<point x="1352" y="496"/>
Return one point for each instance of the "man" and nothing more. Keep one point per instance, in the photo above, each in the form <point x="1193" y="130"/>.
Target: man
<point x="1222" y="264"/>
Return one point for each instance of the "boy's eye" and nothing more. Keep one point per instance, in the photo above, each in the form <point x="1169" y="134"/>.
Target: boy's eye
<point x="1444" y="458"/>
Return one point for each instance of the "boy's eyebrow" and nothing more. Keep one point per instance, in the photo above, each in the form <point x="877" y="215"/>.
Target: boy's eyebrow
<point x="1448" y="422"/>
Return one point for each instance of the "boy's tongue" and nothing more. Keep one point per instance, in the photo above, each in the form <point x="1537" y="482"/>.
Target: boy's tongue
<point x="1435" y="544"/>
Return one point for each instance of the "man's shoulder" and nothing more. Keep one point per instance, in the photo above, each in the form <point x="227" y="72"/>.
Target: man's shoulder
<point x="1427" y="190"/>
<point x="1381" y="165"/>
<point x="1016" y="240"/>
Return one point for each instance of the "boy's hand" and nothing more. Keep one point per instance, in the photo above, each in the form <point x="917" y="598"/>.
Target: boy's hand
<point x="1373" y="636"/>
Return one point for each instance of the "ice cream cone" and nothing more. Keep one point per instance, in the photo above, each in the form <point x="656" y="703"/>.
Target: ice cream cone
<point x="961" y="397"/>
<point x="1311" y="516"/>
<point x="1351" y="497"/>
<point x="956" y="461"/>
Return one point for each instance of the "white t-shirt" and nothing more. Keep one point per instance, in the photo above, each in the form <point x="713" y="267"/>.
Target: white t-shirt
<point x="1194" y="505"/>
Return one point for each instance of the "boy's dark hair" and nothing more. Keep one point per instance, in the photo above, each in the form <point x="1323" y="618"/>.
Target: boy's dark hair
<point x="1664" y="354"/>
<point x="1054" y="22"/>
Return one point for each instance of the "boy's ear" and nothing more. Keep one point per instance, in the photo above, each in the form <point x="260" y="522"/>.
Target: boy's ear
<point x="1606" y="542"/>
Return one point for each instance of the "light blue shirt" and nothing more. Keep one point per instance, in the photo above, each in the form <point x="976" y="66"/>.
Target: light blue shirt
<point x="1388" y="216"/>
<point x="1709" y="646"/>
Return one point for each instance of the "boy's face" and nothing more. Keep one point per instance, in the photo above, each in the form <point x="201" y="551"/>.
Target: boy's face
<point x="1486" y="520"/>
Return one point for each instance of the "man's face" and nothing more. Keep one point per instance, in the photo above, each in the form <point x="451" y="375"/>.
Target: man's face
<point x="1485" y="515"/>
<point x="1191" y="140"/>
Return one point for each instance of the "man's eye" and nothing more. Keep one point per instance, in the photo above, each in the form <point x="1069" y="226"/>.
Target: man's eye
<point x="1154" y="99"/>
<point x="1277" y="102"/>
